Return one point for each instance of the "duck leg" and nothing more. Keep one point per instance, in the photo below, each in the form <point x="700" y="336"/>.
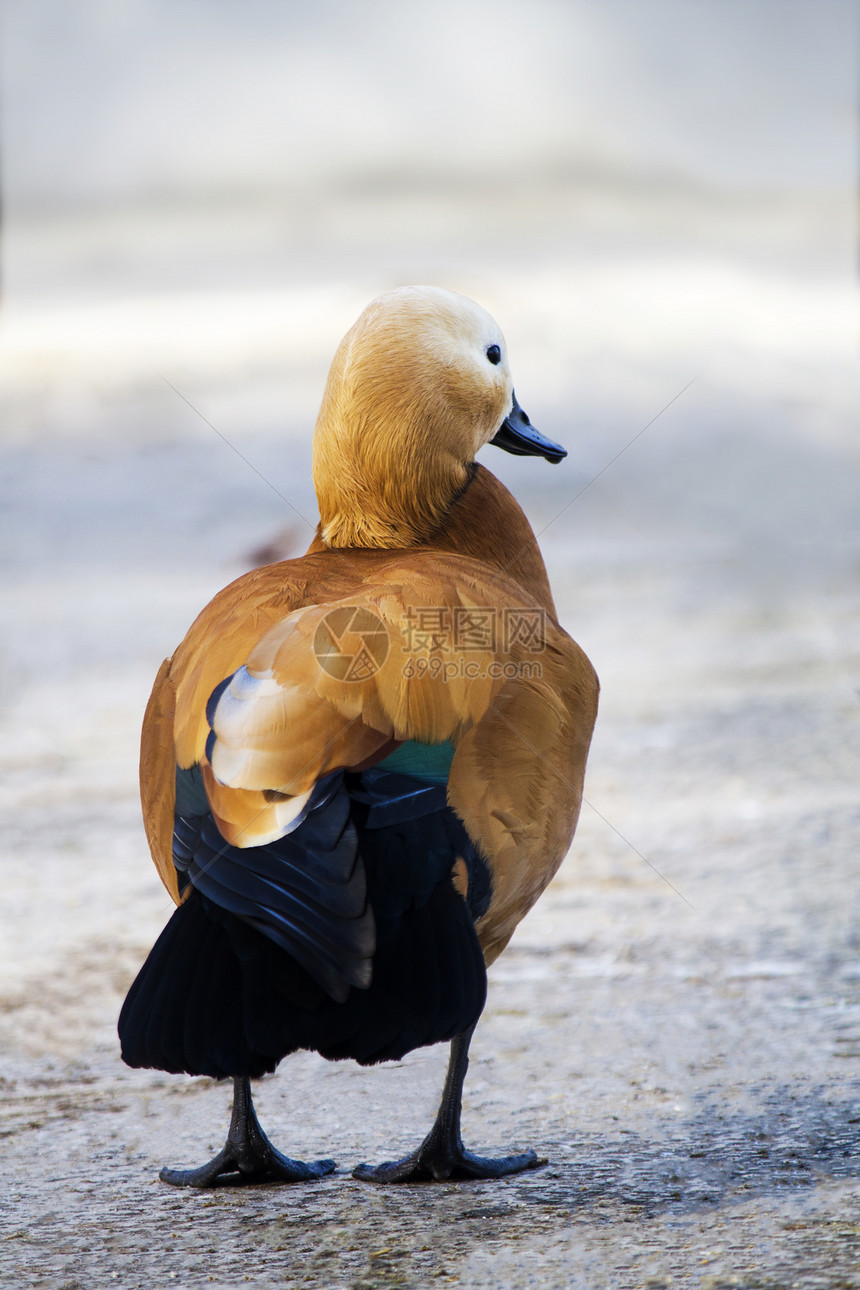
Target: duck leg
<point x="442" y="1154"/>
<point x="247" y="1156"/>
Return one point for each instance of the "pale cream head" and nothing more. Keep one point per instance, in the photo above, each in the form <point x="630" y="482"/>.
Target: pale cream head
<point x="418" y="384"/>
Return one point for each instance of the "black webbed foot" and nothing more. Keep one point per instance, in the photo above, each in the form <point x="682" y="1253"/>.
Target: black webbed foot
<point x="442" y="1154"/>
<point x="248" y="1156"/>
<point x="432" y="1162"/>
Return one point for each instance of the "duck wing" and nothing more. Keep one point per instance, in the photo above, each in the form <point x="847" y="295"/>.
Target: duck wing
<point x="267" y="697"/>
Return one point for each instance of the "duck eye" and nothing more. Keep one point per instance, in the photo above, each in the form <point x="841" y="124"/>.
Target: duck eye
<point x="494" y="354"/>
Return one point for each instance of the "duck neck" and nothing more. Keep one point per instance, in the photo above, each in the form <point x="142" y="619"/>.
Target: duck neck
<point x="474" y="516"/>
<point x="399" y="504"/>
<point x="487" y="523"/>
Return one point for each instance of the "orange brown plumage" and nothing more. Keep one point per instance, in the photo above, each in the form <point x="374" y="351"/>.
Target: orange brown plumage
<point x="270" y="745"/>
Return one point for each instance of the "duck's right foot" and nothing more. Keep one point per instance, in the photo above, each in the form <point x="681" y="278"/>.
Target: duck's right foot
<point x="438" y="1161"/>
<point x="442" y="1154"/>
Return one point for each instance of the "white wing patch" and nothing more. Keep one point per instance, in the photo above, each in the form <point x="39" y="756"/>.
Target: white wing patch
<point x="247" y="712"/>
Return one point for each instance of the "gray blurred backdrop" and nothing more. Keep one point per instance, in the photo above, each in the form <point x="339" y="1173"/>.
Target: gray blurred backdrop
<point x="657" y="200"/>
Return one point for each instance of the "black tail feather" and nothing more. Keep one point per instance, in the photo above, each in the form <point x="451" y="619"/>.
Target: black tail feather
<point x="217" y="996"/>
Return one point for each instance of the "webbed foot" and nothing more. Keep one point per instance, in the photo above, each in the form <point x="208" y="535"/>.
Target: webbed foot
<point x="432" y="1161"/>
<point x="247" y="1156"/>
<point x="442" y="1154"/>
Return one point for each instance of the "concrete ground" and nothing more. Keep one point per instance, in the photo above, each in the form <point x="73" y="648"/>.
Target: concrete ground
<point x="676" y="1027"/>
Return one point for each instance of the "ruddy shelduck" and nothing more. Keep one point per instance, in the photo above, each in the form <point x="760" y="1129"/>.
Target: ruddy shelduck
<point x="362" y="767"/>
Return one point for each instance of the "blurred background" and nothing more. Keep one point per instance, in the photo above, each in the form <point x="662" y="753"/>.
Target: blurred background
<point x="657" y="200"/>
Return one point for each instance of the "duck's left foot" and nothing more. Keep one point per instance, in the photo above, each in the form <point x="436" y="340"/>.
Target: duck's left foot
<point x="261" y="1164"/>
<point x="435" y="1161"/>
<point x="247" y="1156"/>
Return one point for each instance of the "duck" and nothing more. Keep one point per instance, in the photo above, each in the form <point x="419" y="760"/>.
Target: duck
<point x="362" y="767"/>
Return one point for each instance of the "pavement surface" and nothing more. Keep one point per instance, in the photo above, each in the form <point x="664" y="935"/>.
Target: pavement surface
<point x="676" y="1026"/>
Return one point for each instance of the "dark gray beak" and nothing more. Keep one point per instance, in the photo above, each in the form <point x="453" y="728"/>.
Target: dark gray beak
<point x="517" y="434"/>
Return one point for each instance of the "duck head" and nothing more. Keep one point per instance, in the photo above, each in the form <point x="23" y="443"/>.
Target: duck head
<point x="418" y="385"/>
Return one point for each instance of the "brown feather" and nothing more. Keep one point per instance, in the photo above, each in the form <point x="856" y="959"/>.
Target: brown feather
<point x="158" y="776"/>
<point x="427" y="530"/>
